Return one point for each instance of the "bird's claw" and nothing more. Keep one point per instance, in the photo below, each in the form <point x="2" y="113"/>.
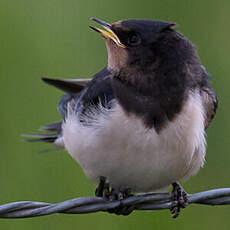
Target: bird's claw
<point x="103" y="190"/>
<point x="179" y="199"/>
<point x="120" y="194"/>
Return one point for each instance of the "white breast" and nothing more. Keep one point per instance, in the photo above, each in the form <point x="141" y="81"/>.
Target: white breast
<point x="120" y="148"/>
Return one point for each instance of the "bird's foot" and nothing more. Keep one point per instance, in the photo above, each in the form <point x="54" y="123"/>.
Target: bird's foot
<point x="120" y="194"/>
<point x="103" y="190"/>
<point x="179" y="199"/>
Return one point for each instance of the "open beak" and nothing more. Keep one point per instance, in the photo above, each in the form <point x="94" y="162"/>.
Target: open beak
<point x="108" y="33"/>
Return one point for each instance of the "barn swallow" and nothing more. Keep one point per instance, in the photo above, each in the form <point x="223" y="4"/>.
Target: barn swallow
<point x="139" y="124"/>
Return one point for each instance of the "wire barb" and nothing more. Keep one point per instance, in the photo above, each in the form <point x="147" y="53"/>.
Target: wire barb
<point x="82" y="205"/>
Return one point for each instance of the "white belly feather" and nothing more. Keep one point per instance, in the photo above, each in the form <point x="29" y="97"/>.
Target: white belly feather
<point x="120" y="148"/>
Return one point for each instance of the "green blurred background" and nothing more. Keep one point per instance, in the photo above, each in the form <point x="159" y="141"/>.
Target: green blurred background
<point x="51" y="38"/>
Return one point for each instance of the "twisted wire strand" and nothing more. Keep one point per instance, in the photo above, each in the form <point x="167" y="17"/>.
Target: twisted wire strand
<point x="82" y="205"/>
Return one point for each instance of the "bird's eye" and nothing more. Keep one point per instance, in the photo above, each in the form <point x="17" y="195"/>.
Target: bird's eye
<point x="134" y="40"/>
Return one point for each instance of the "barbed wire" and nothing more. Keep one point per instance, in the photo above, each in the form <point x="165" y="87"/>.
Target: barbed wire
<point x="81" y="205"/>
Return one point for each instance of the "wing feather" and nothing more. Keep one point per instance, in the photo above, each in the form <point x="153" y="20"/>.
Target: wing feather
<point x="209" y="98"/>
<point x="68" y="85"/>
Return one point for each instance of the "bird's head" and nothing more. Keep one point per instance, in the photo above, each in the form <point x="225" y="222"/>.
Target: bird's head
<point x="136" y="44"/>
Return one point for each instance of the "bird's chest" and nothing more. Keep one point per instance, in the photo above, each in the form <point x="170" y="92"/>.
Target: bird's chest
<point x="119" y="147"/>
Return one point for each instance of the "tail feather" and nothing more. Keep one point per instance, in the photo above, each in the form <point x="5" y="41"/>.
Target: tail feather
<point x="49" y="138"/>
<point x="55" y="137"/>
<point x="52" y="127"/>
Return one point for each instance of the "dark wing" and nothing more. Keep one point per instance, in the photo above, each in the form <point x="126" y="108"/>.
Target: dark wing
<point x="68" y="85"/>
<point x="98" y="90"/>
<point x="84" y="93"/>
<point x="209" y="99"/>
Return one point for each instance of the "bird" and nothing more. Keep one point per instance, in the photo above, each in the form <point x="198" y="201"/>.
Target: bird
<point x="139" y="124"/>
